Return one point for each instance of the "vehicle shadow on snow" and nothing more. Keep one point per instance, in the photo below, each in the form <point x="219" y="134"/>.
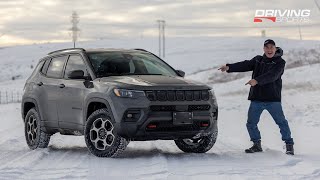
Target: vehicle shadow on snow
<point x="131" y="153"/>
<point x="150" y="153"/>
<point x="61" y="149"/>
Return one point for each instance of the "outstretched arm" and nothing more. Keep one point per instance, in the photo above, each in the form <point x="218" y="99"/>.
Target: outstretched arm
<point x="242" y="66"/>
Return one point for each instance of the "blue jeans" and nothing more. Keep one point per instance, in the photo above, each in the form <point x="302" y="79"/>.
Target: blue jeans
<point x="275" y="109"/>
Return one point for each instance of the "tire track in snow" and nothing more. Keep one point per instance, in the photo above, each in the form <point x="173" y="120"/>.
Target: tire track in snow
<point x="141" y="160"/>
<point x="48" y="173"/>
<point x="43" y="163"/>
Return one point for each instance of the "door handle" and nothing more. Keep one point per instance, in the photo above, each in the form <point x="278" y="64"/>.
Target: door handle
<point x="61" y="86"/>
<point x="40" y="83"/>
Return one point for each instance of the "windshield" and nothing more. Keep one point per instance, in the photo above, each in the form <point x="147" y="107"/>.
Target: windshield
<point x="119" y="63"/>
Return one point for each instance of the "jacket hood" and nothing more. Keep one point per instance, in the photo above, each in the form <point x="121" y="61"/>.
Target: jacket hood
<point x="279" y="52"/>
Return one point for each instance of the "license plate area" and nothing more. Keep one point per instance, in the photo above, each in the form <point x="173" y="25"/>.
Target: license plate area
<point x="181" y="118"/>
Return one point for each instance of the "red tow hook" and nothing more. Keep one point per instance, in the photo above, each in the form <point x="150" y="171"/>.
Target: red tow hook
<point x="204" y="124"/>
<point x="152" y="126"/>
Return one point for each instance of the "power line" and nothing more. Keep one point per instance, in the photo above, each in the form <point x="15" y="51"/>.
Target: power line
<point x="200" y="26"/>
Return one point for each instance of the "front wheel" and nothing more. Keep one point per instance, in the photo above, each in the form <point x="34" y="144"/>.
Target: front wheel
<point x="197" y="145"/>
<point x="101" y="137"/>
<point x="35" y="137"/>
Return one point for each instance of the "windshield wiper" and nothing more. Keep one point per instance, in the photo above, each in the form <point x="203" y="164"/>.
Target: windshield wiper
<point x="126" y="74"/>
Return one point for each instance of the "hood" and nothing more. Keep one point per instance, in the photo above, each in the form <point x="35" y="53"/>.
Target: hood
<point x="279" y="52"/>
<point x="153" y="81"/>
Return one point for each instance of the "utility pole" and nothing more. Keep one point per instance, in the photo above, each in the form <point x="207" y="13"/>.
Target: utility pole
<point x="263" y="33"/>
<point x="164" y="38"/>
<point x="74" y="29"/>
<point x="315" y="1"/>
<point x="300" y="31"/>
<point x="161" y="26"/>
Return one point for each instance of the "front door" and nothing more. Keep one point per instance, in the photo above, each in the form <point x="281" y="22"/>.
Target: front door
<point x="70" y="104"/>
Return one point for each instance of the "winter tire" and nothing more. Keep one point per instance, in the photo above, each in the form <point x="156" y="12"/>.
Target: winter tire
<point x="35" y="137"/>
<point x="197" y="145"/>
<point x="101" y="137"/>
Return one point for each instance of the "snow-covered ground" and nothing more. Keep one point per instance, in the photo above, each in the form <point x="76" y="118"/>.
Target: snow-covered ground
<point x="68" y="158"/>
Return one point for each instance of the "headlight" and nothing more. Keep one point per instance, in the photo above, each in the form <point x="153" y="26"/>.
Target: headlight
<point x="128" y="93"/>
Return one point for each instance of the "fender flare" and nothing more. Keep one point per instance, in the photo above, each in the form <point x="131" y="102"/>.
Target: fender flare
<point x="30" y="100"/>
<point x="95" y="99"/>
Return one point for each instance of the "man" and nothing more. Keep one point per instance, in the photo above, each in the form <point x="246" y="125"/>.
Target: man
<point x="265" y="93"/>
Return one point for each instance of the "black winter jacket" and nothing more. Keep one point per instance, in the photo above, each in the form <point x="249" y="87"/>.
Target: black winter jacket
<point x="268" y="72"/>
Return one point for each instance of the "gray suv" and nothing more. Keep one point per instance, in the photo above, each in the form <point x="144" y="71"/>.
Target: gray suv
<point x="113" y="96"/>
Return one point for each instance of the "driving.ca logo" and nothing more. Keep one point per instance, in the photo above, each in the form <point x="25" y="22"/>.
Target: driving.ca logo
<point x="287" y="15"/>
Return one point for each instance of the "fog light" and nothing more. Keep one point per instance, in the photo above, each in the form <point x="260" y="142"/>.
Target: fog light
<point x="132" y="115"/>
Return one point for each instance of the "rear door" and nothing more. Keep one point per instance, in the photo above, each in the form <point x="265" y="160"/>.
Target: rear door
<point x="50" y="82"/>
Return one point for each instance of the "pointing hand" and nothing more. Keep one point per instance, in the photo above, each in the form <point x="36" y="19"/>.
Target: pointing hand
<point x="252" y="82"/>
<point x="224" y="68"/>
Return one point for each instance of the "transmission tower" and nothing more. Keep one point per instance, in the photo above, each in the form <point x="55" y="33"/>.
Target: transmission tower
<point x="74" y="29"/>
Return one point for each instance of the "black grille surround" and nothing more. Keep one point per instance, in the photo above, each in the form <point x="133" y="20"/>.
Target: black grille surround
<point x="178" y="95"/>
<point x="167" y="126"/>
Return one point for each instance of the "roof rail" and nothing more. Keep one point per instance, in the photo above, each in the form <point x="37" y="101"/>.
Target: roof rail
<point x="138" y="49"/>
<point x="81" y="49"/>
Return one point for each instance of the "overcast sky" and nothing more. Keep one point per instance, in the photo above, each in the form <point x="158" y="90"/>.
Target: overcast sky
<point x="30" y="21"/>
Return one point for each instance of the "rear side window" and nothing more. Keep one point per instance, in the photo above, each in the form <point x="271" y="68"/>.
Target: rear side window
<point x="75" y="62"/>
<point x="56" y="66"/>
<point x="45" y="66"/>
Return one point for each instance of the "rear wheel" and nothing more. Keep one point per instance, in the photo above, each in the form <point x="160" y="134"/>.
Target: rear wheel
<point x="35" y="137"/>
<point x="197" y="145"/>
<point x="101" y="137"/>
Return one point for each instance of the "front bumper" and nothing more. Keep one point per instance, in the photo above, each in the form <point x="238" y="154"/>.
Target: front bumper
<point x="153" y="120"/>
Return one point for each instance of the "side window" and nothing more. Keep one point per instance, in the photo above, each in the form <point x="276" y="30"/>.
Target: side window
<point x="56" y="66"/>
<point x="45" y="66"/>
<point x="75" y="62"/>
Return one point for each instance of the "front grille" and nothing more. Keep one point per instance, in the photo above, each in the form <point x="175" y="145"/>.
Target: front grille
<point x="179" y="95"/>
<point x="180" y="108"/>
<point x="198" y="107"/>
<point x="167" y="126"/>
<point x="163" y="108"/>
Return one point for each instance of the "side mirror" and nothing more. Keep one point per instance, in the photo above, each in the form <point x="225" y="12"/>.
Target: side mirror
<point x="181" y="73"/>
<point x="76" y="74"/>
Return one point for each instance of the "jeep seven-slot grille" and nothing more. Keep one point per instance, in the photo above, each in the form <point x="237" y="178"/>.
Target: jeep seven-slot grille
<point x="178" y="95"/>
<point x="174" y="108"/>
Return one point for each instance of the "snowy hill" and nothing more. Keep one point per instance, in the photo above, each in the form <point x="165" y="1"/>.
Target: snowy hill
<point x="189" y="54"/>
<point x="68" y="158"/>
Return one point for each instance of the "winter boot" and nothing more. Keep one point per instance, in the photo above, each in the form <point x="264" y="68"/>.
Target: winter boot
<point x="255" y="148"/>
<point x="290" y="150"/>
